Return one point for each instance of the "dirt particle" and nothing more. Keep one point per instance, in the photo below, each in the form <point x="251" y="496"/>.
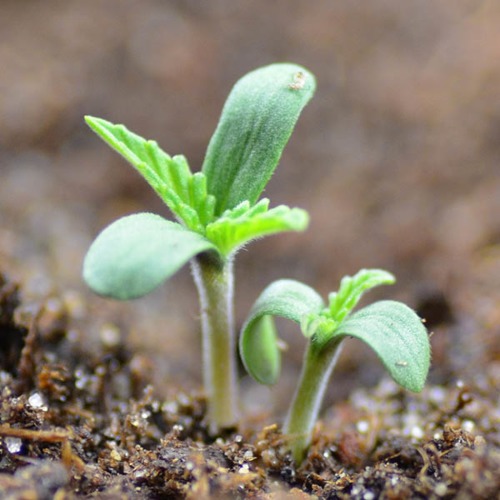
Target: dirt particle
<point x="299" y="80"/>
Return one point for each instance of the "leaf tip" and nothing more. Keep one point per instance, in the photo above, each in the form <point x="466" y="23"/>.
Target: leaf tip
<point x="96" y="124"/>
<point x="90" y="120"/>
<point x="410" y="381"/>
<point x="301" y="219"/>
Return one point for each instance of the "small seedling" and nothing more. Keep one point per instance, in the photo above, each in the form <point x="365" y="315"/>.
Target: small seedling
<point x="217" y="211"/>
<point x="390" y="328"/>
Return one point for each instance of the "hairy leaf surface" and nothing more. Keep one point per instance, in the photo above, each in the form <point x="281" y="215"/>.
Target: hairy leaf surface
<point x="184" y="193"/>
<point x="259" y="348"/>
<point x="256" y="123"/>
<point x="397" y="335"/>
<point x="242" y="224"/>
<point x="352" y="288"/>
<point x="135" y="254"/>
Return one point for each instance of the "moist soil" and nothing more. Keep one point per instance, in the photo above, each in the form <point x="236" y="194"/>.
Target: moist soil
<point x="82" y="423"/>
<point x="396" y="159"/>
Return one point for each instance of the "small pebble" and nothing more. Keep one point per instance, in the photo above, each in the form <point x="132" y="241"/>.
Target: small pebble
<point x="36" y="400"/>
<point x="110" y="336"/>
<point x="441" y="489"/>
<point x="244" y="469"/>
<point x="362" y="426"/>
<point x="417" y="432"/>
<point x="468" y="425"/>
<point x="13" y="444"/>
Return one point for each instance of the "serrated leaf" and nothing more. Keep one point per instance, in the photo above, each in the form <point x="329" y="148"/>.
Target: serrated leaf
<point x="242" y="224"/>
<point x="398" y="337"/>
<point x="135" y="254"/>
<point x="184" y="193"/>
<point x="256" y="123"/>
<point x="259" y="349"/>
<point x="352" y="288"/>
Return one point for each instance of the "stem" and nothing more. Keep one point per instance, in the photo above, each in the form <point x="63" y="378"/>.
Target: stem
<point x="214" y="280"/>
<point x="316" y="370"/>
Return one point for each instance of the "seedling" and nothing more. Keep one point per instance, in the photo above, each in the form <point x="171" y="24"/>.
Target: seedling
<point x="217" y="211"/>
<point x="391" y="329"/>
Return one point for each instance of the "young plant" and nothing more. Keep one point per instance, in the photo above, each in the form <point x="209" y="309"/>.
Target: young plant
<point x="217" y="211"/>
<point x="391" y="329"/>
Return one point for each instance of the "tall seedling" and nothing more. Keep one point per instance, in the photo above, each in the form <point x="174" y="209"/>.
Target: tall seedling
<point x="218" y="210"/>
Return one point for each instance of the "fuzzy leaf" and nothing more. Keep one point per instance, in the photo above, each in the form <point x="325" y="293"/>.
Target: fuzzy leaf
<point x="184" y="193"/>
<point x="135" y="254"/>
<point x="397" y="335"/>
<point x="351" y="289"/>
<point x="258" y="342"/>
<point x="322" y="326"/>
<point x="260" y="351"/>
<point x="244" y="223"/>
<point x="256" y="123"/>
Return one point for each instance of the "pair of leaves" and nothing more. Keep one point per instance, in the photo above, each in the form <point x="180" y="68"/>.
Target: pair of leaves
<point x="390" y="328"/>
<point x="137" y="253"/>
<point x="216" y="207"/>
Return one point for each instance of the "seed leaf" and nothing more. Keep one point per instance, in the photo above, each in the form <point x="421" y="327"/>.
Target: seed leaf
<point x="135" y="254"/>
<point x="184" y="193"/>
<point x="259" y="348"/>
<point x="260" y="351"/>
<point x="243" y="223"/>
<point x="398" y="337"/>
<point x="256" y="123"/>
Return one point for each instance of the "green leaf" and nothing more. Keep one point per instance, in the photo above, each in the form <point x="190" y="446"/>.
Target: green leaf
<point x="259" y="348"/>
<point x="322" y="326"/>
<point x="243" y="223"/>
<point x="397" y="335"/>
<point x="184" y="193"/>
<point x="352" y="288"/>
<point x="260" y="351"/>
<point x="256" y="123"/>
<point x="135" y="254"/>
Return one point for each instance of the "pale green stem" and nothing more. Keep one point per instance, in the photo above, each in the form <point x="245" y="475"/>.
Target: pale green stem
<point x="306" y="404"/>
<point x="214" y="280"/>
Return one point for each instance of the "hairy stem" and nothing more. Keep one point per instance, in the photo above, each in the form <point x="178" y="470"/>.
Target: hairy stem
<point x="214" y="280"/>
<point x="316" y="370"/>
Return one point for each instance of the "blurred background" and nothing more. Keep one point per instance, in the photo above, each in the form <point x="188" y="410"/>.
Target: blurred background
<point x="396" y="159"/>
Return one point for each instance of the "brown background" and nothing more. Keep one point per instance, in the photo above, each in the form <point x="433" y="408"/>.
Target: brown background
<point x="396" y="158"/>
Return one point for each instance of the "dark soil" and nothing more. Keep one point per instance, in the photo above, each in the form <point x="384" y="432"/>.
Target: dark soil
<point x="396" y="160"/>
<point x="79" y="424"/>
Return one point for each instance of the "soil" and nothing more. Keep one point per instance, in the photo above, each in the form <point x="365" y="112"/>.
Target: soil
<point x="82" y="424"/>
<point x="396" y="159"/>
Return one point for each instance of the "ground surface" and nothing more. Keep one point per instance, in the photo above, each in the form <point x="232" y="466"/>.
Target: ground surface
<point x="396" y="159"/>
